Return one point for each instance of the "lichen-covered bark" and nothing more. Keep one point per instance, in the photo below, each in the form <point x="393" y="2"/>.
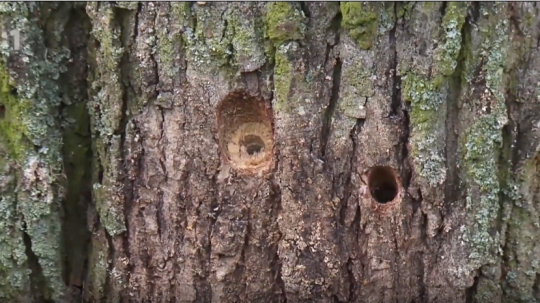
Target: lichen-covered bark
<point x="396" y="150"/>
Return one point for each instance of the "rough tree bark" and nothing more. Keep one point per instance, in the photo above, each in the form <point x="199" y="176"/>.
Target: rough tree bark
<point x="270" y="152"/>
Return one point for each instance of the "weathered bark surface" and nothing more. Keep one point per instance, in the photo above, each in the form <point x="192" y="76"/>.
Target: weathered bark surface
<point x="270" y="152"/>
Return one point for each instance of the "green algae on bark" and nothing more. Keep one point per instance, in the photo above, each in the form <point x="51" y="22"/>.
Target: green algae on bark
<point x="360" y="19"/>
<point x="247" y="40"/>
<point x="284" y="22"/>
<point x="283" y="77"/>
<point x="291" y="85"/>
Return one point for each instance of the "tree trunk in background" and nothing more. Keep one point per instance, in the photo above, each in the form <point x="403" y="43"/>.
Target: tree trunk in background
<point x="270" y="152"/>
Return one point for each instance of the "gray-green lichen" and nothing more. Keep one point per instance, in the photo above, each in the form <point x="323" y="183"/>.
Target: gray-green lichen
<point x="14" y="272"/>
<point x="208" y="39"/>
<point x="168" y="44"/>
<point x="106" y="109"/>
<point x="247" y="40"/>
<point x="131" y="5"/>
<point x="484" y="139"/>
<point x="33" y="143"/>
<point x="292" y="85"/>
<point x="14" y="280"/>
<point x="219" y="41"/>
<point x="356" y="87"/>
<point x="522" y="245"/>
<point x="111" y="215"/>
<point x="427" y="97"/>
<point x="403" y="9"/>
<point x="452" y="24"/>
<point x="427" y="118"/>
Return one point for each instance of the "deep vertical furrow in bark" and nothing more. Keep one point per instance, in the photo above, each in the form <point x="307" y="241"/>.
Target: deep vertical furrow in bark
<point x="329" y="112"/>
<point x="77" y="151"/>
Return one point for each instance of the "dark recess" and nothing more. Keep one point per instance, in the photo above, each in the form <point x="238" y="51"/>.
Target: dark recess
<point x="253" y="144"/>
<point x="382" y="184"/>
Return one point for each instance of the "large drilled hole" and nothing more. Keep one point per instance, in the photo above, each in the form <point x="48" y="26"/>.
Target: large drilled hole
<point x="383" y="184"/>
<point x="245" y="132"/>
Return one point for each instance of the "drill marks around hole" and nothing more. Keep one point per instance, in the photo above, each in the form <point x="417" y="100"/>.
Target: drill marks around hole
<point x="247" y="145"/>
<point x="246" y="132"/>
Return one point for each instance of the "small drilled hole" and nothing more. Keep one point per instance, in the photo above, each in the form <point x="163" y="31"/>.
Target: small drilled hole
<point x="252" y="144"/>
<point x="383" y="184"/>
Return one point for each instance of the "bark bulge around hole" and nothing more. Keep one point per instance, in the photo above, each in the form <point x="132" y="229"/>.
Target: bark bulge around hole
<point x="246" y="132"/>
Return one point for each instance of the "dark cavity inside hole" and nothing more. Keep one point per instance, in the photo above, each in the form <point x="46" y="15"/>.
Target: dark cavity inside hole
<point x="2" y="111"/>
<point x="382" y="184"/>
<point x="253" y="144"/>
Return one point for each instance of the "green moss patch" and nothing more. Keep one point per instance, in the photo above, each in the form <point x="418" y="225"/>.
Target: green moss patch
<point x="284" y="22"/>
<point x="360" y="19"/>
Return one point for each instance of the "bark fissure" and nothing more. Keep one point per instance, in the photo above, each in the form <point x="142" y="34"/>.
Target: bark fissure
<point x="331" y="108"/>
<point x="398" y="108"/>
<point x="396" y="102"/>
<point x="452" y="190"/>
<point x="77" y="150"/>
<point x="349" y="186"/>
<point x="136" y="21"/>
<point x="37" y="279"/>
<point x="305" y="9"/>
<point x="109" y="288"/>
<point x="276" y="262"/>
<point x="423" y="288"/>
<point x="470" y="292"/>
<point x="240" y="268"/>
<point x="159" y="207"/>
<point x="352" y="281"/>
<point x="355" y="227"/>
<point x="536" y="287"/>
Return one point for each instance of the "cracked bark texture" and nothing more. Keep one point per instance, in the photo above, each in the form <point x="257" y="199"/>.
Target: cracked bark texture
<point x="113" y="187"/>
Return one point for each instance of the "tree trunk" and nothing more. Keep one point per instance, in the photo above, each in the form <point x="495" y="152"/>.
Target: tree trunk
<point x="270" y="152"/>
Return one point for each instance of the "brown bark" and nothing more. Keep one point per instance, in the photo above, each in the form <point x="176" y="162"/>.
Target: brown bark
<point x="285" y="152"/>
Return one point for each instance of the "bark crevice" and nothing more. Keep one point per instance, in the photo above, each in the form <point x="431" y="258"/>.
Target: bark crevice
<point x="37" y="279"/>
<point x="77" y="148"/>
<point x="331" y="108"/>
